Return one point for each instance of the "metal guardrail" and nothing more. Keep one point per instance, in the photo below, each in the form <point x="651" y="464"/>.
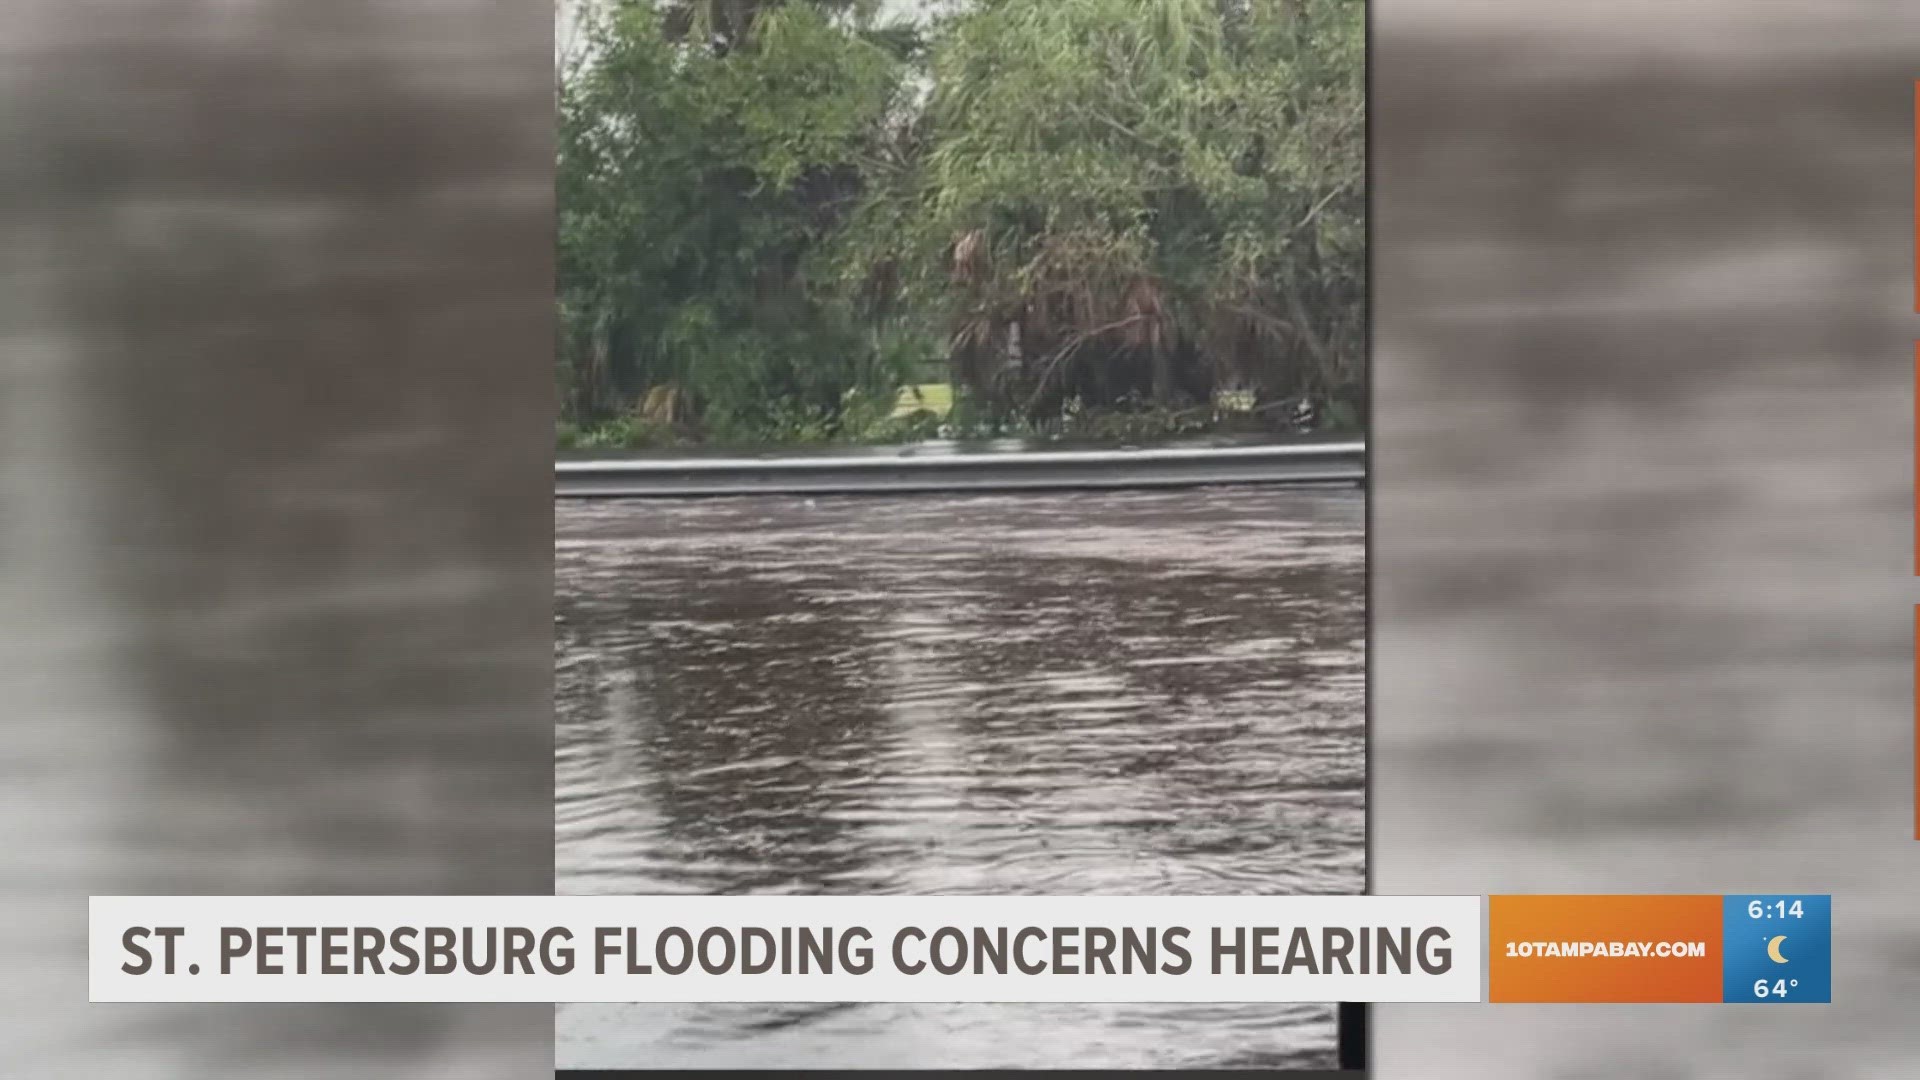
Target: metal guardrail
<point x="1311" y="463"/>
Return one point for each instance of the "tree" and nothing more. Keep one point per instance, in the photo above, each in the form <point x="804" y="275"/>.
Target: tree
<point x="1144" y="199"/>
<point x="697" y="171"/>
<point x="772" y="211"/>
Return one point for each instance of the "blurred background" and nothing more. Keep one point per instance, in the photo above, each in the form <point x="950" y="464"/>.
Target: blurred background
<point x="276" y="538"/>
<point x="274" y="498"/>
<point x="1643" y="373"/>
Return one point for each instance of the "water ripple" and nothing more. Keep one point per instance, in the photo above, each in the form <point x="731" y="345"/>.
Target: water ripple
<point x="1147" y="693"/>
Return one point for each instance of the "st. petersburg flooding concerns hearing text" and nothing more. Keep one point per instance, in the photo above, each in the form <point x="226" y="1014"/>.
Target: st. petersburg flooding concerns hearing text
<point x="789" y="950"/>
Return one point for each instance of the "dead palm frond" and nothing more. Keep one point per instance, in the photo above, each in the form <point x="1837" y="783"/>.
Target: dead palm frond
<point x="665" y="403"/>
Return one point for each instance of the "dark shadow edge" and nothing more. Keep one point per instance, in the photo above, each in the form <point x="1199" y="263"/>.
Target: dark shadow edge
<point x="928" y="1073"/>
<point x="1352" y="1059"/>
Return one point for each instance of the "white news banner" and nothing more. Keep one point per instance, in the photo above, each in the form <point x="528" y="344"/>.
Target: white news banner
<point x="785" y="948"/>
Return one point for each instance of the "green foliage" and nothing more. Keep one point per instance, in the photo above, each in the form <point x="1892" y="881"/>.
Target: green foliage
<point x="773" y="215"/>
<point x="1148" y="198"/>
<point x="693" y="183"/>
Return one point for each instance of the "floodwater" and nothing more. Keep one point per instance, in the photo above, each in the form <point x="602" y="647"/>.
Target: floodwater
<point x="1112" y="693"/>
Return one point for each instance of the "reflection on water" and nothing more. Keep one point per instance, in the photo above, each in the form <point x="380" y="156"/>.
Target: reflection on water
<point x="1152" y="693"/>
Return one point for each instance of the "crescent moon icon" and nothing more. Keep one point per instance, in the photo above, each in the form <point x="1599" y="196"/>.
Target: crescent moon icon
<point x="1773" y="949"/>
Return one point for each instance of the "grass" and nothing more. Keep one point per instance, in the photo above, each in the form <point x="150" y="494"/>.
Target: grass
<point x="936" y="398"/>
<point x="926" y="411"/>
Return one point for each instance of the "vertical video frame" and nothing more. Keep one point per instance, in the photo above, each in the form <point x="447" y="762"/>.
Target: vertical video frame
<point x="960" y="486"/>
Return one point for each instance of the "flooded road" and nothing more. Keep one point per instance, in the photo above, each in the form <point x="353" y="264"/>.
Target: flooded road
<point x="1149" y="692"/>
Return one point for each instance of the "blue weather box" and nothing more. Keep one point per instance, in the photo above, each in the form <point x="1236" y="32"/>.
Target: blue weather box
<point x="1777" y="948"/>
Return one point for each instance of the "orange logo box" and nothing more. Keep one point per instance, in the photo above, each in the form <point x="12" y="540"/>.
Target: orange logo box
<point x="1604" y="948"/>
